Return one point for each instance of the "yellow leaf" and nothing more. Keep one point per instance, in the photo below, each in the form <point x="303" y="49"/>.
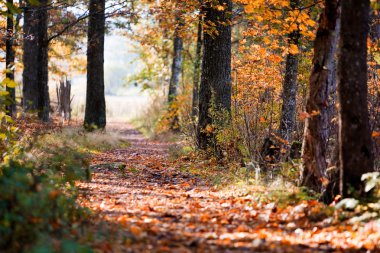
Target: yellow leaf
<point x="259" y="18"/>
<point x="220" y="8"/>
<point x="4" y="93"/>
<point x="293" y="49"/>
<point x="209" y="129"/>
<point x="9" y="83"/>
<point x="266" y="40"/>
<point x="135" y="230"/>
<point x="3" y="136"/>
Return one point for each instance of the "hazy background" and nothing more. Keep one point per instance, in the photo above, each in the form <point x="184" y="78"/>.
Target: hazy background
<point x="124" y="101"/>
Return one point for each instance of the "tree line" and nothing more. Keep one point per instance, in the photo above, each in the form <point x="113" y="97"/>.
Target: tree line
<point x="337" y="83"/>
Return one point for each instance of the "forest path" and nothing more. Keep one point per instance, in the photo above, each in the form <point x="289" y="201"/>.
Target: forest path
<point x="154" y="207"/>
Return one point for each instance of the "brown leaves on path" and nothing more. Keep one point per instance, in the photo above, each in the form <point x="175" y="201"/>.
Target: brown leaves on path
<point x="153" y="207"/>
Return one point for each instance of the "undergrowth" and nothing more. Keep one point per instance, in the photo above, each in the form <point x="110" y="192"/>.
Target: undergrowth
<point x="148" y="121"/>
<point x="39" y="211"/>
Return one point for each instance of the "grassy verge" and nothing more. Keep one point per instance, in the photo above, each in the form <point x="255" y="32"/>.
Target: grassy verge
<point x="39" y="211"/>
<point x="232" y="179"/>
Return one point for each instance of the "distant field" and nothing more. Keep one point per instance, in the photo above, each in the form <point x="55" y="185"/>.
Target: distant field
<point x="119" y="108"/>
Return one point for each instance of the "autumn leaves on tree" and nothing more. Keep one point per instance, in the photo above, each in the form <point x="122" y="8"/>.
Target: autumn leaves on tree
<point x="252" y="79"/>
<point x="215" y="88"/>
<point x="215" y="85"/>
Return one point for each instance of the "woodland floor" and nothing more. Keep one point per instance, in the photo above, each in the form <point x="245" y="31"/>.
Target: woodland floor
<point x="152" y="206"/>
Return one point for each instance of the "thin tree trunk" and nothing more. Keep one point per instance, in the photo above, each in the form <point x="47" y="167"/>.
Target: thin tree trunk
<point x="95" y="113"/>
<point x="197" y="68"/>
<point x="355" y="143"/>
<point x="332" y="188"/>
<point x="314" y="151"/>
<point x="43" y="69"/>
<point x="9" y="60"/>
<point x="35" y="59"/>
<point x="176" y="73"/>
<point x="289" y="93"/>
<point x="215" y="86"/>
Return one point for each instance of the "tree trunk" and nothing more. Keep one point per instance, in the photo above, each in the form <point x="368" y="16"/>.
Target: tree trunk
<point x="355" y="143"/>
<point x="289" y="88"/>
<point x="176" y="73"/>
<point x="197" y="68"/>
<point x="64" y="99"/>
<point x="215" y="86"/>
<point x="9" y="60"/>
<point x="35" y="59"/>
<point x="314" y="156"/>
<point x="95" y="113"/>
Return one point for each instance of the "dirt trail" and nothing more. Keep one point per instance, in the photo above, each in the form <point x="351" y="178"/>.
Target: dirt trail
<point x="161" y="209"/>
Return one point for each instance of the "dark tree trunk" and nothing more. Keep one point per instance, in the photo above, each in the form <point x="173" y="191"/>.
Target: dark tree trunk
<point x="289" y="86"/>
<point x="64" y="99"/>
<point x="95" y="114"/>
<point x="355" y="143"/>
<point x="176" y="73"/>
<point x="9" y="60"/>
<point x="30" y="60"/>
<point x="197" y="68"/>
<point x="314" y="151"/>
<point x="35" y="59"/>
<point x="43" y="72"/>
<point x="215" y="86"/>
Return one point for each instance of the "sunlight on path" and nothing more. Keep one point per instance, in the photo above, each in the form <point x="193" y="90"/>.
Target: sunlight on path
<point x="161" y="209"/>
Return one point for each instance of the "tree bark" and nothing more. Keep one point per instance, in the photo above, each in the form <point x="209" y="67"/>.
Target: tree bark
<point x="314" y="150"/>
<point x="35" y="59"/>
<point x="95" y="113"/>
<point x="197" y="68"/>
<point x="176" y="73"/>
<point x="215" y="86"/>
<point x="355" y="143"/>
<point x="289" y="86"/>
<point x="9" y="60"/>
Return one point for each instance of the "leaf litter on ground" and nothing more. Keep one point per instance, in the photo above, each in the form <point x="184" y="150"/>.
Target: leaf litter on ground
<point x="157" y="206"/>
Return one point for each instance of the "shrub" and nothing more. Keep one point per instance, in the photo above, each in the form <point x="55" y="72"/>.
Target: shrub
<point x="38" y="198"/>
<point x="33" y="206"/>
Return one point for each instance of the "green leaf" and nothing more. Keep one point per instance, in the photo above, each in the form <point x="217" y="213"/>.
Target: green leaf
<point x="42" y="249"/>
<point x="69" y="246"/>
<point x="8" y="119"/>
<point x="34" y="2"/>
<point x="13" y="9"/>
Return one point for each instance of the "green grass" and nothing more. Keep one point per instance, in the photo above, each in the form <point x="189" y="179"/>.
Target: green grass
<point x="38" y="203"/>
